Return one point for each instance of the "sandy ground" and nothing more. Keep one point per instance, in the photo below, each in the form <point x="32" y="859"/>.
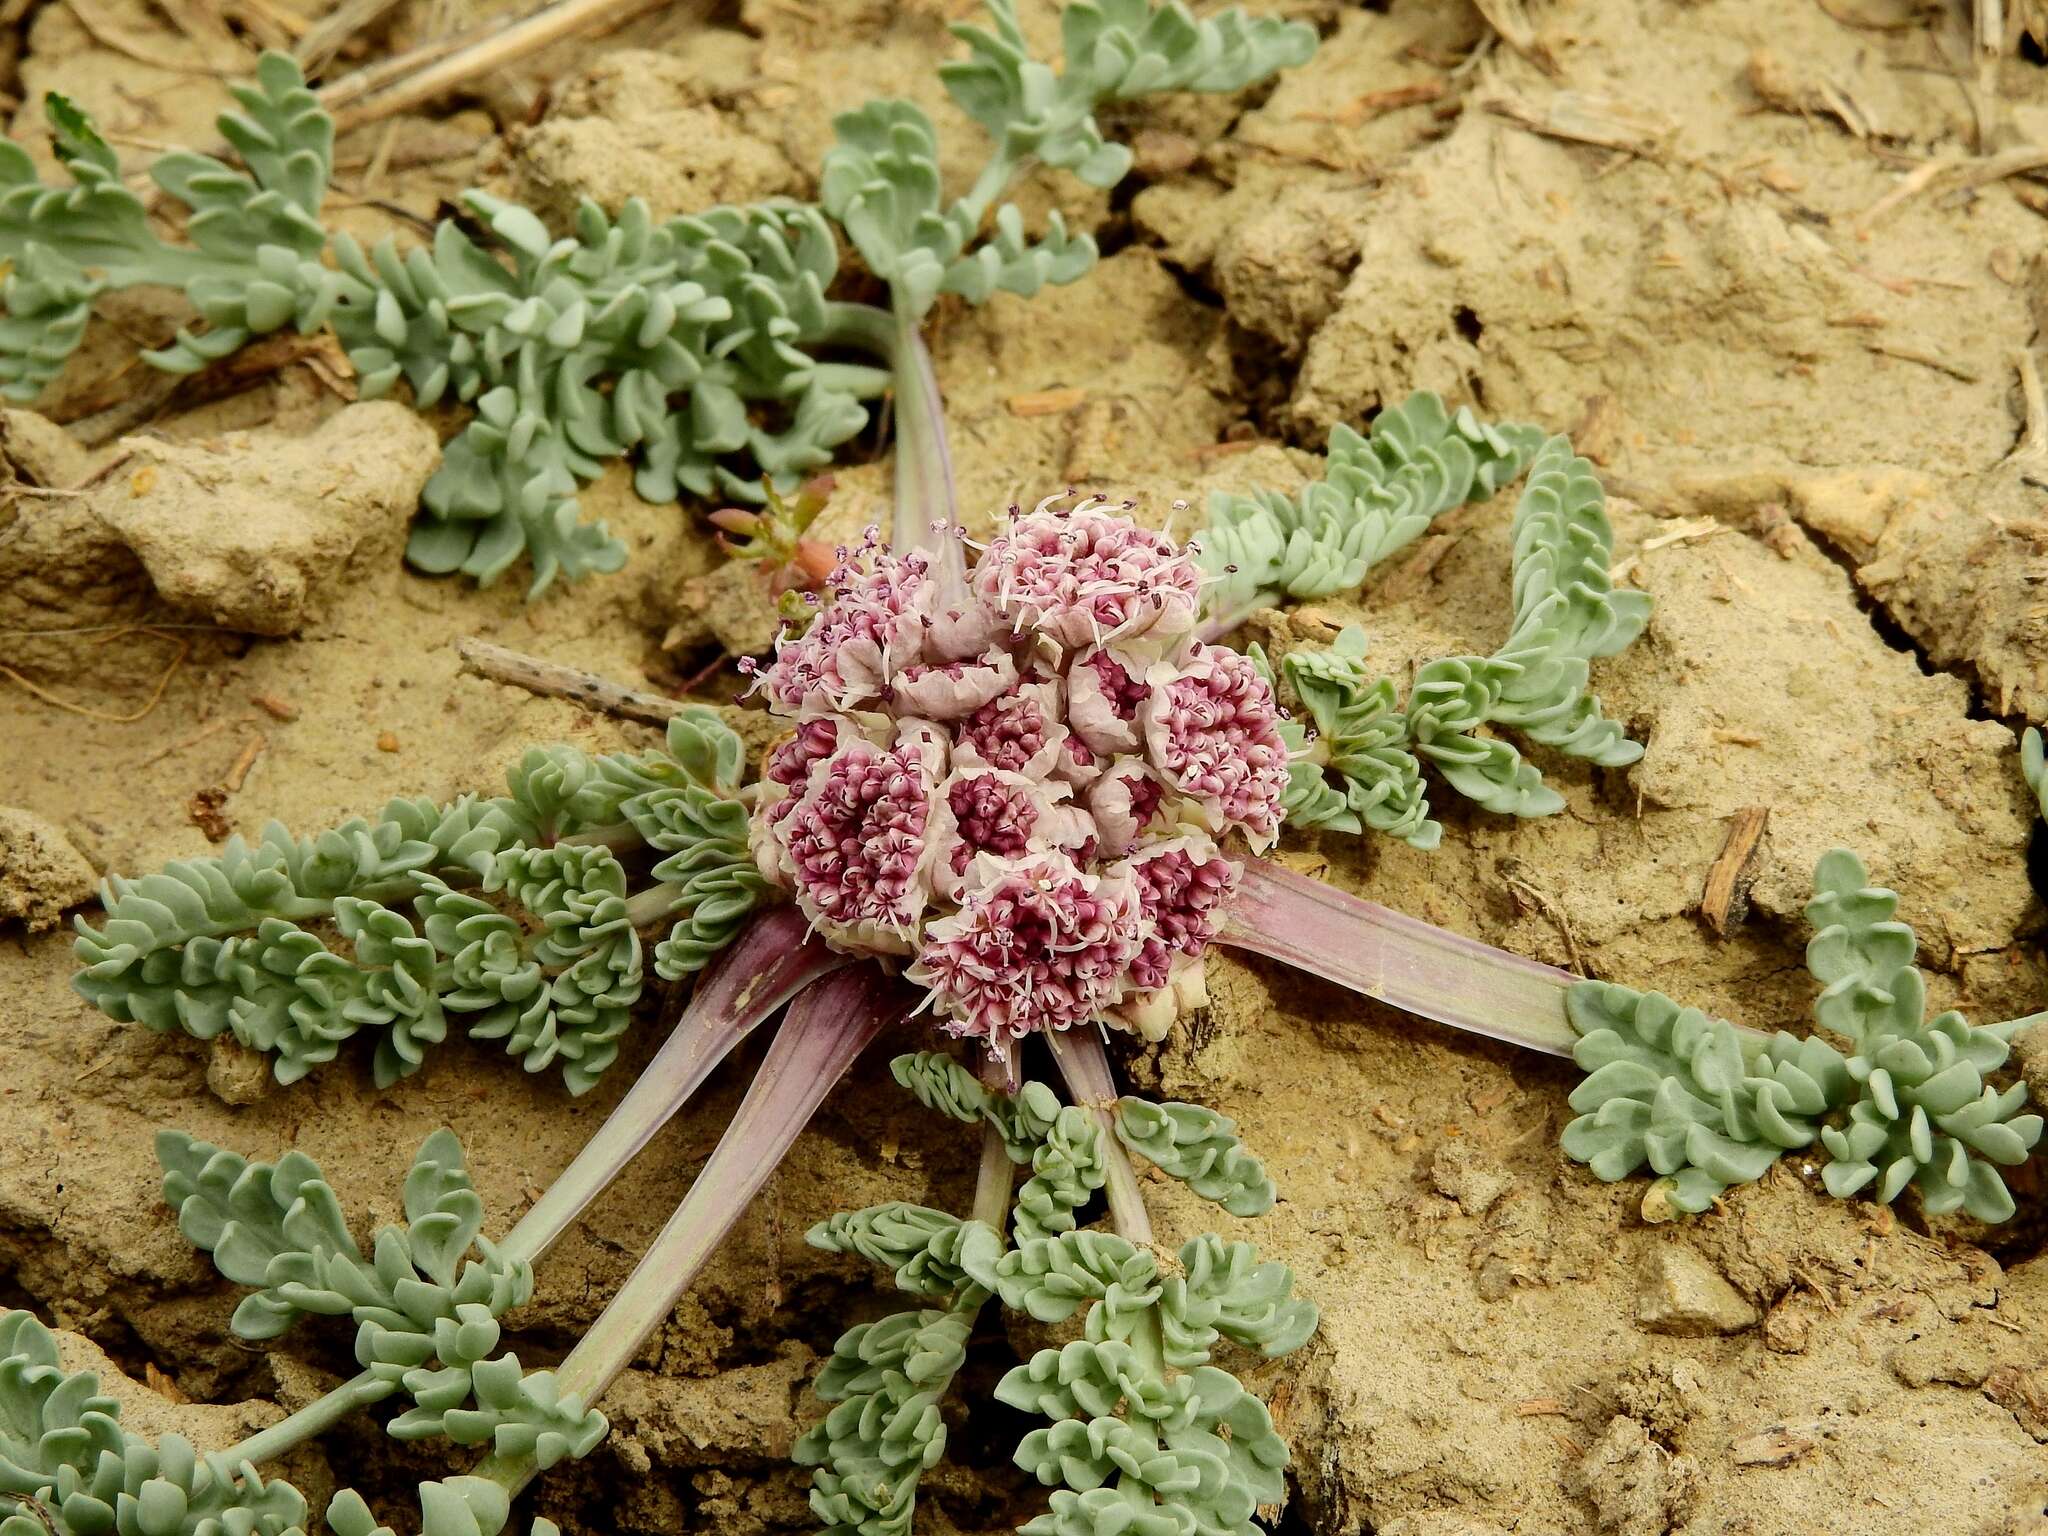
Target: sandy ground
<point x="1689" y="233"/>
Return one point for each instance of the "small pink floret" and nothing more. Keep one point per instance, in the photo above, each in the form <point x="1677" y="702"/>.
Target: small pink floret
<point x="1087" y="576"/>
<point x="1037" y="944"/>
<point x="1213" y="732"/>
<point x="854" y="849"/>
<point x="1019" y="731"/>
<point x="873" y="624"/>
<point x="1184" y="886"/>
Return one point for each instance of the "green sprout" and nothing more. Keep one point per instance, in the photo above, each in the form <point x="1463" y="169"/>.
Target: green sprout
<point x="775" y="540"/>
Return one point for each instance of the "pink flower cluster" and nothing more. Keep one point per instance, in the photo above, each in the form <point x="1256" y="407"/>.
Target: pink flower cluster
<point x="1023" y="786"/>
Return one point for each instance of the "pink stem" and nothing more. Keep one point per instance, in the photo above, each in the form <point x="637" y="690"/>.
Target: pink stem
<point x="992" y="1181"/>
<point x="828" y="1026"/>
<point x="766" y="966"/>
<point x="1079" y="1055"/>
<point x="927" y="511"/>
<point x="1399" y="961"/>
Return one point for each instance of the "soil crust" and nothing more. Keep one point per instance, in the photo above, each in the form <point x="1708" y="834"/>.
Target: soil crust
<point x="1676" y="229"/>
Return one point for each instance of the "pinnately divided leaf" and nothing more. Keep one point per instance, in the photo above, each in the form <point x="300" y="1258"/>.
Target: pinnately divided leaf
<point x="1146" y="1434"/>
<point x="1114" y="50"/>
<point x="1926" y="1116"/>
<point x="1357" y="769"/>
<point x="69" y="1468"/>
<point x="1025" y="1118"/>
<point x="884" y="1430"/>
<point x="487" y="913"/>
<point x="1908" y="1105"/>
<point x="1134" y="1444"/>
<point x="1199" y="1147"/>
<point x="881" y="178"/>
<point x="1690" y="1095"/>
<point x="691" y="322"/>
<point x="253" y="265"/>
<point x="704" y="346"/>
<point x="930" y="1252"/>
<point x="1378" y="494"/>
<point x="1567" y="613"/>
<point x="1362" y="765"/>
<point x="426" y="1301"/>
<point x="1067" y="1168"/>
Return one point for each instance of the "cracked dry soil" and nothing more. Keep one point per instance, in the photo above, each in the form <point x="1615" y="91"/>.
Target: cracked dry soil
<point x="1804" y="394"/>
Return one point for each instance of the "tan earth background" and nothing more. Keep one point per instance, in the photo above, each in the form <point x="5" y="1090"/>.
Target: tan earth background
<point x="1775" y="264"/>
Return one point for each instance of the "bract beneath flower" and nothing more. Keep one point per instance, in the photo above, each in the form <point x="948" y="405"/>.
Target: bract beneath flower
<point x="946" y="690"/>
<point x="983" y="810"/>
<point x="1105" y="690"/>
<point x="1021" y="730"/>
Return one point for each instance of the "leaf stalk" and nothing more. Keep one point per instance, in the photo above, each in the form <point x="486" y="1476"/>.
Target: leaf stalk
<point x="318" y="1416"/>
<point x="768" y="965"/>
<point x="1407" y="964"/>
<point x="826" y="1029"/>
<point x="1085" y="1066"/>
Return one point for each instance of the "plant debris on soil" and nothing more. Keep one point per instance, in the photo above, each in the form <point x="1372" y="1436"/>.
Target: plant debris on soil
<point x="1776" y="265"/>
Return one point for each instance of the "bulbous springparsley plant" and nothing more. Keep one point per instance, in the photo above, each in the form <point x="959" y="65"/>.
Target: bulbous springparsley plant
<point x="1023" y="796"/>
<point x="1026" y="797"/>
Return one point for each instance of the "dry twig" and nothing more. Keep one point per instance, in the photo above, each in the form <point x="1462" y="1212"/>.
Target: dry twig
<point x="1925" y="357"/>
<point x="272" y="24"/>
<point x="1363" y="109"/>
<point x="331" y="34"/>
<point x="108" y="716"/>
<point x="1581" y="117"/>
<point x="1521" y="887"/>
<point x="1510" y="21"/>
<point x="1841" y="13"/>
<point x="121" y="405"/>
<point x="423" y="74"/>
<point x="2031" y="451"/>
<point x="2021" y="160"/>
<point x="1908" y="186"/>
<point x="1685" y="532"/>
<point x="1783" y="88"/>
<point x="212" y="729"/>
<point x="115" y="41"/>
<point x="247" y="760"/>
<point x="1990" y="40"/>
<point x="553" y="680"/>
<point x="414" y="79"/>
<point x="1745" y="832"/>
<point x="1046" y="402"/>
